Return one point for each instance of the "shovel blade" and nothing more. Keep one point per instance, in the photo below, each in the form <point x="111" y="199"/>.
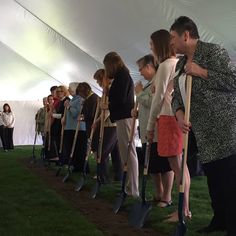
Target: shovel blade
<point x="95" y="190"/>
<point x="180" y="229"/>
<point x="80" y="184"/>
<point x="139" y="214"/>
<point x="119" y="202"/>
<point x="66" y="177"/>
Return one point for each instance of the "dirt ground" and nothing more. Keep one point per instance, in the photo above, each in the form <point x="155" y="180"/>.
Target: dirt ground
<point x="97" y="211"/>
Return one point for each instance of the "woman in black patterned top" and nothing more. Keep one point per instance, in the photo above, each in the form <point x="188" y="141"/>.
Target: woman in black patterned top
<point x="213" y="116"/>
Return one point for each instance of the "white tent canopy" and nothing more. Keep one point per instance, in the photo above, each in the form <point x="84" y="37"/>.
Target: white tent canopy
<point x="45" y="43"/>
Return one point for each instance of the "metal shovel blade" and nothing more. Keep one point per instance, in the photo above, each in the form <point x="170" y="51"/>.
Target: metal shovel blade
<point x="95" y="189"/>
<point x="119" y="202"/>
<point x="66" y="177"/>
<point x="139" y="214"/>
<point x="180" y="229"/>
<point x="80" y="184"/>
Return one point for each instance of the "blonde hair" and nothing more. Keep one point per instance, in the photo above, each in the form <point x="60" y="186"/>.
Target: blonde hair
<point x="64" y="89"/>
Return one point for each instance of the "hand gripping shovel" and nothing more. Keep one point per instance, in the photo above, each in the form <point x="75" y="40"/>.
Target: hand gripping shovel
<point x="61" y="142"/>
<point x="140" y="210"/>
<point x="82" y="180"/>
<point x="122" y="196"/>
<point x="96" y="188"/>
<point x="181" y="227"/>
<point x="69" y="172"/>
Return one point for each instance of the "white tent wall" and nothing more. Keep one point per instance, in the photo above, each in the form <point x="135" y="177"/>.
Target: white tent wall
<point x="45" y="43"/>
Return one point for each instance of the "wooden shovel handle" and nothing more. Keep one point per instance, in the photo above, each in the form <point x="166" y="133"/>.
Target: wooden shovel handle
<point x="186" y="119"/>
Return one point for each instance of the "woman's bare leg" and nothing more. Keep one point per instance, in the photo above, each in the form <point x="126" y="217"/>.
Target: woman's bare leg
<point x="167" y="182"/>
<point x="175" y="164"/>
<point x="158" y="186"/>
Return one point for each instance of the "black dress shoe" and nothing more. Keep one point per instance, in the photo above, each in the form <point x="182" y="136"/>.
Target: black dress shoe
<point x="231" y="234"/>
<point x="210" y="229"/>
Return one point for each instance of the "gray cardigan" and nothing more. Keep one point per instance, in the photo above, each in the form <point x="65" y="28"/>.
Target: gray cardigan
<point x="213" y="102"/>
<point x="144" y="99"/>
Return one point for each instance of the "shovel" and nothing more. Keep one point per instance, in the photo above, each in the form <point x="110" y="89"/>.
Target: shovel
<point x="33" y="158"/>
<point x="45" y="139"/>
<point x="97" y="187"/>
<point x="49" y="132"/>
<point x="70" y="168"/>
<point x="61" y="141"/>
<point x="140" y="210"/>
<point x="181" y="227"/>
<point x="122" y="196"/>
<point x="82" y="180"/>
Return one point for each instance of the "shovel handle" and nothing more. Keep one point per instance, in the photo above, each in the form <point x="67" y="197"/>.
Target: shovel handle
<point x="89" y="141"/>
<point x="146" y="160"/>
<point x="76" y="133"/>
<point x="186" y="119"/>
<point x="131" y="136"/>
<point x="62" y="131"/>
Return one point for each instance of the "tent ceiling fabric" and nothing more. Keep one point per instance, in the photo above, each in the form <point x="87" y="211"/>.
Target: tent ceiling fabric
<point x="45" y="43"/>
<point x="64" y="41"/>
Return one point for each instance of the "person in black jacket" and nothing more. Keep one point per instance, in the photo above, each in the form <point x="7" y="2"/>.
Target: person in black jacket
<point x="121" y="102"/>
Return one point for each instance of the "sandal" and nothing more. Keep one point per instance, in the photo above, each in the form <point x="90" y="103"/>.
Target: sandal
<point x="164" y="204"/>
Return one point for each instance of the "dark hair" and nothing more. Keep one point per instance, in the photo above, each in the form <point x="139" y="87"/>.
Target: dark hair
<point x="113" y="62"/>
<point x="83" y="89"/>
<point x="184" y="23"/>
<point x="146" y="60"/>
<point x="49" y="97"/>
<point x="99" y="74"/>
<point x="161" y="42"/>
<point x="4" y="109"/>
<point x="53" y="88"/>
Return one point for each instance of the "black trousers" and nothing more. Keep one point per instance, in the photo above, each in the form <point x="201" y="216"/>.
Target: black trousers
<point x="79" y="154"/>
<point x="9" y="138"/>
<point x="53" y="150"/>
<point x="110" y="146"/>
<point x="221" y="180"/>
<point x="3" y="137"/>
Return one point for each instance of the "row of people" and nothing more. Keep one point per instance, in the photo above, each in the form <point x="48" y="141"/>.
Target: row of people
<point x="161" y="116"/>
<point x="212" y="106"/>
<point x="7" y="121"/>
<point x="51" y="120"/>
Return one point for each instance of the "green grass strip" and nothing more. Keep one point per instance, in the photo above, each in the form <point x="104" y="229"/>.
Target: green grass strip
<point x="29" y="208"/>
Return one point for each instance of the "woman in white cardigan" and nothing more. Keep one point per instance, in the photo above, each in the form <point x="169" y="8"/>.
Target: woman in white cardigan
<point x="170" y="139"/>
<point x="8" y="118"/>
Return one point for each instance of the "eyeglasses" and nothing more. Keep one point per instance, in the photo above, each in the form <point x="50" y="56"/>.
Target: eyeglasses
<point x="59" y="91"/>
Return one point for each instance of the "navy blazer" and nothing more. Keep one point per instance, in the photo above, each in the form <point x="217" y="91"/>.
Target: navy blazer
<point x="121" y="96"/>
